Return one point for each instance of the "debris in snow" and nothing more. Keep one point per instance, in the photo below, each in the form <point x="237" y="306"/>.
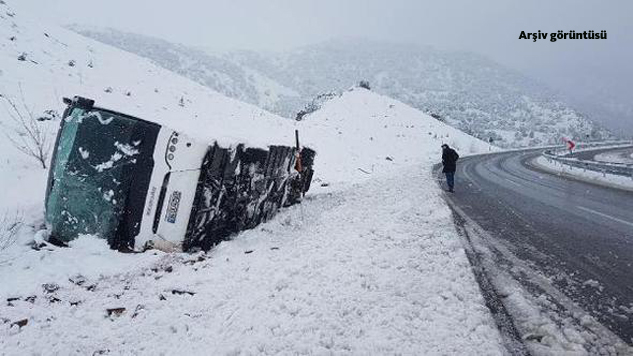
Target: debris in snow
<point x="137" y="310"/>
<point x="52" y="300"/>
<point x="181" y="292"/>
<point x="49" y="115"/>
<point x="50" y="287"/>
<point x="115" y="311"/>
<point x="20" y="323"/>
<point x="77" y="279"/>
<point x="30" y="299"/>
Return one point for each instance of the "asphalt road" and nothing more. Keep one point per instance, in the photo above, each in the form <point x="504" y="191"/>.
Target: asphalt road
<point x="579" y="235"/>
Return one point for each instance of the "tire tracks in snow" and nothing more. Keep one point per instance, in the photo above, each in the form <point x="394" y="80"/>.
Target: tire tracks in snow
<point x="511" y="336"/>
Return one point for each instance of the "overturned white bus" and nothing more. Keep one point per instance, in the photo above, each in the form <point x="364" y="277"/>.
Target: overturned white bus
<point x="139" y="184"/>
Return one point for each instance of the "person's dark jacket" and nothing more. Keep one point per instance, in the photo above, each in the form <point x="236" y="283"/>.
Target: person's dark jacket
<point x="449" y="160"/>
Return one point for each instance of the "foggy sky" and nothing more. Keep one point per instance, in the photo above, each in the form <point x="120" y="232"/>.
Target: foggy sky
<point x="577" y="68"/>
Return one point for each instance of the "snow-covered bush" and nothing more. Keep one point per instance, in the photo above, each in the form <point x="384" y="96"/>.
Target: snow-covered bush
<point x="316" y="104"/>
<point x="364" y="84"/>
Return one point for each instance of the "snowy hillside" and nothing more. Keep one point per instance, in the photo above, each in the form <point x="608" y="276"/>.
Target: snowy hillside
<point x="40" y="63"/>
<point x="468" y="91"/>
<point x="363" y="134"/>
<point x="212" y="70"/>
<point x="369" y="263"/>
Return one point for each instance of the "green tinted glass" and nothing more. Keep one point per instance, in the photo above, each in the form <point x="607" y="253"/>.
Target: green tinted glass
<point x="91" y="174"/>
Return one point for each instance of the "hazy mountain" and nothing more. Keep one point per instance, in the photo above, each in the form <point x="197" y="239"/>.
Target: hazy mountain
<point x="466" y="90"/>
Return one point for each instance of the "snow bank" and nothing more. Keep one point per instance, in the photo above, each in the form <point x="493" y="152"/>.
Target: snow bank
<point x="606" y="179"/>
<point x="615" y="157"/>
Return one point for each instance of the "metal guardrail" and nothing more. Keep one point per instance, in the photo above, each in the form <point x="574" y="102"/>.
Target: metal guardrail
<point x="563" y="157"/>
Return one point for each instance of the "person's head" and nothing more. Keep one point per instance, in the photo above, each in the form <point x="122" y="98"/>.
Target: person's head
<point x="444" y="146"/>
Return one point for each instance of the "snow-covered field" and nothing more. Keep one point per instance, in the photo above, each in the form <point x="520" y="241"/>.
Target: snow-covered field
<point x="370" y="263"/>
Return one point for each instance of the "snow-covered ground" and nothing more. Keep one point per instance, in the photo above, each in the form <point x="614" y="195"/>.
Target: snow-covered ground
<point x="606" y="179"/>
<point x="368" y="270"/>
<point x="370" y="263"/>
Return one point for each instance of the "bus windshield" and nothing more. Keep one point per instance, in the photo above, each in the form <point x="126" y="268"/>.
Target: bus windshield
<point x="99" y="154"/>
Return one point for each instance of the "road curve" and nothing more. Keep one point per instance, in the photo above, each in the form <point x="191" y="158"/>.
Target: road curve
<point x="577" y="234"/>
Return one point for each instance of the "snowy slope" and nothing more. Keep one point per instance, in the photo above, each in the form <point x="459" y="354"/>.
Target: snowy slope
<point x="469" y="91"/>
<point x="363" y="134"/>
<point x="57" y="63"/>
<point x="366" y="271"/>
<point x="370" y="264"/>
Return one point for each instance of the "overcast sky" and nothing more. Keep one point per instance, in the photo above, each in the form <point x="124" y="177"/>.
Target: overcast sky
<point x="578" y="68"/>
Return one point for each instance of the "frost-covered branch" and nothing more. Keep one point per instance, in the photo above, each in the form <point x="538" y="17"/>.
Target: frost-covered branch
<point x="29" y="135"/>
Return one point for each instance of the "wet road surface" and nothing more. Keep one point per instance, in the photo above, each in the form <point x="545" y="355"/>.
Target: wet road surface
<point x="577" y="234"/>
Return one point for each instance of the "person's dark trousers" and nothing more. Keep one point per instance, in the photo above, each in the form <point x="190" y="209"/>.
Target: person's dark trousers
<point x="450" y="180"/>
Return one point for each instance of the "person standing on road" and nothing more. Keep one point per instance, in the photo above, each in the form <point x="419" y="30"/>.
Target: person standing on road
<point x="449" y="161"/>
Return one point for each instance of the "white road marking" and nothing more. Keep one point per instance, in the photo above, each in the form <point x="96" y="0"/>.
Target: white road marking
<point x="605" y="215"/>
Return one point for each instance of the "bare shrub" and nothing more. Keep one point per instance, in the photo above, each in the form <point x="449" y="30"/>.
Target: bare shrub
<point x="10" y="224"/>
<point x="29" y="135"/>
